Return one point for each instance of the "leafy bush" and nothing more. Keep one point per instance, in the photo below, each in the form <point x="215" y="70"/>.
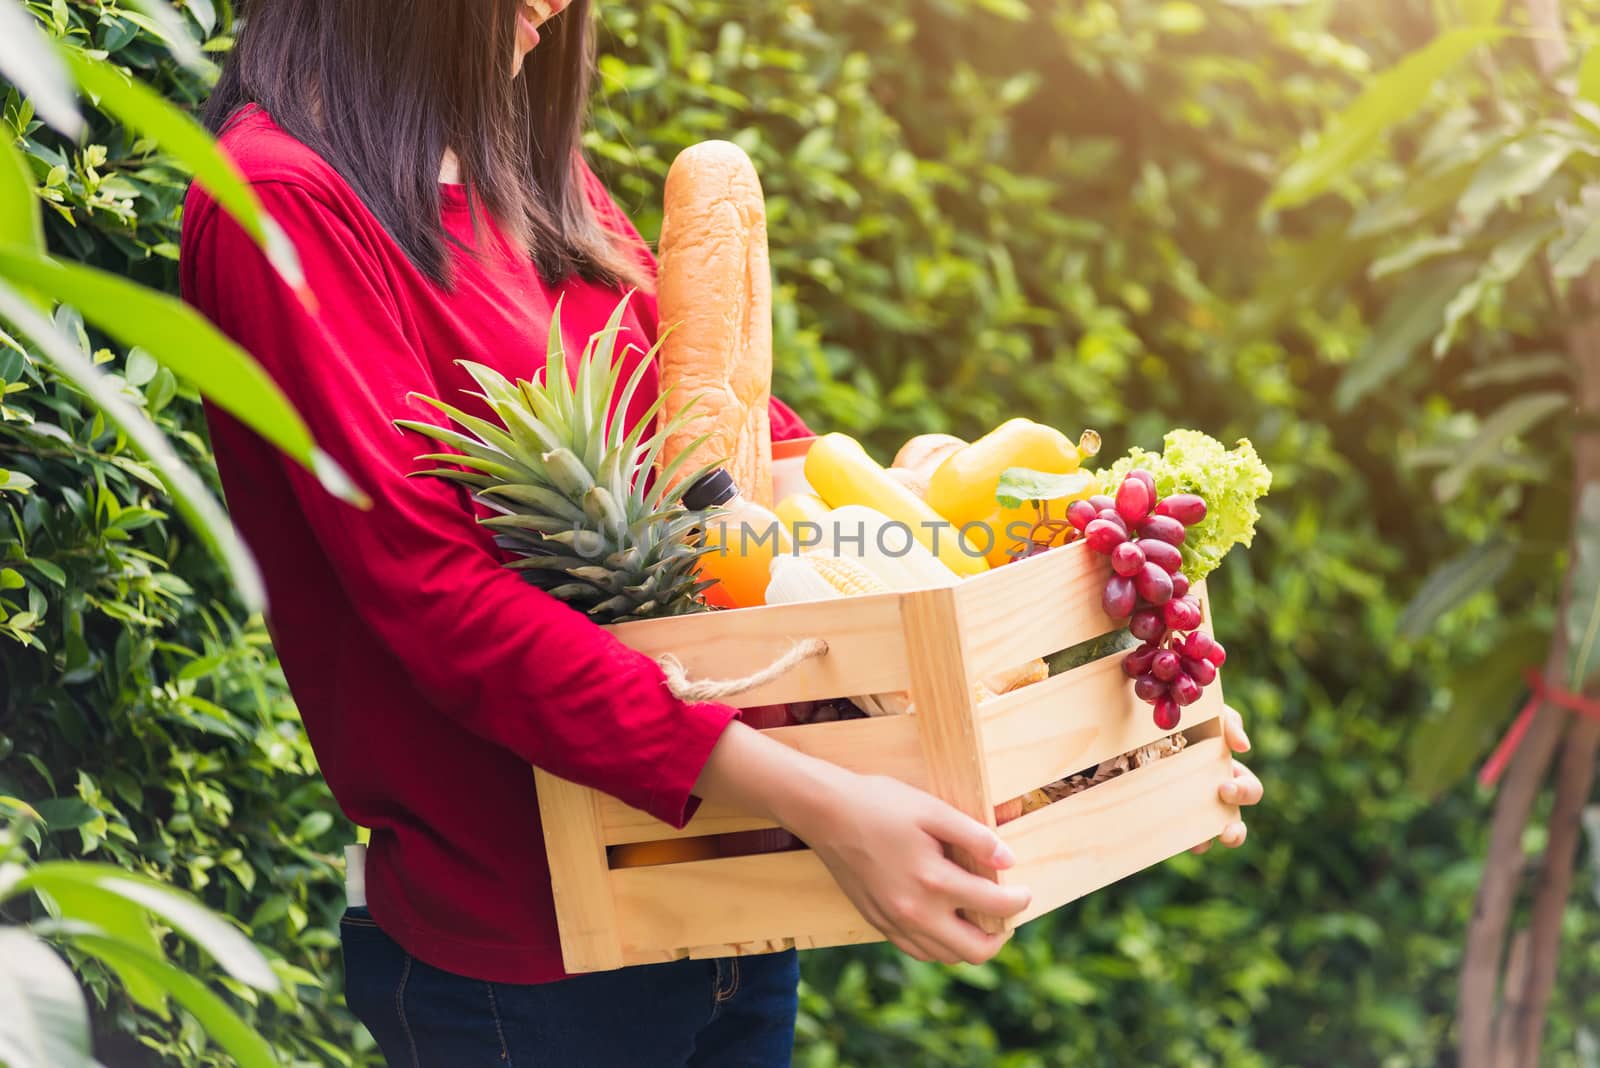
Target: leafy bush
<point x="139" y="708"/>
<point x="980" y="208"/>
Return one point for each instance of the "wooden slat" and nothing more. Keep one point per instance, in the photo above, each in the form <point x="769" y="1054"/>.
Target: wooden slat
<point x="666" y="911"/>
<point x="1033" y="607"/>
<point x="1090" y="840"/>
<point x="887" y="745"/>
<point x="866" y="653"/>
<point x="750" y="949"/>
<point x="1051" y="729"/>
<point x="952" y="738"/>
<point x="579" y="877"/>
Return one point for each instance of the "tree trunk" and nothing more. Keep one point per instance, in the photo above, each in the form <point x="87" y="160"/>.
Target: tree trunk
<point x="1512" y="1036"/>
<point x="1575" y="780"/>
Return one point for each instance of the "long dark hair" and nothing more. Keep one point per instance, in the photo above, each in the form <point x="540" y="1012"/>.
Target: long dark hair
<point x="380" y="88"/>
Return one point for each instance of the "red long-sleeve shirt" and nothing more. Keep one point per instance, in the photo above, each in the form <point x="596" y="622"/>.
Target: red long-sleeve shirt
<point x="429" y="677"/>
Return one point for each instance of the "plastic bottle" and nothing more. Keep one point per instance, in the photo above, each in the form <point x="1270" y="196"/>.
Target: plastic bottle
<point x="742" y="539"/>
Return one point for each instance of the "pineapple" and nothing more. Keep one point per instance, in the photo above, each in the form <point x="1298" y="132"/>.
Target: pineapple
<point x="571" y="488"/>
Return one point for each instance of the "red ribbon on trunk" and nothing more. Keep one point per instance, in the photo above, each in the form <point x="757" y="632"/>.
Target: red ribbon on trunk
<point x="1543" y="694"/>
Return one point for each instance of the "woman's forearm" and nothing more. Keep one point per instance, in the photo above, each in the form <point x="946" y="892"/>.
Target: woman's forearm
<point x="763" y="777"/>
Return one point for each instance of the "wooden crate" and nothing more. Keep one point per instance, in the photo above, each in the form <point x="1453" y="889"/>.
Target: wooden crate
<point x="932" y="643"/>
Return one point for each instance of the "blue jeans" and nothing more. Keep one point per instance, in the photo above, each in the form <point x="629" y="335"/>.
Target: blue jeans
<point x="736" y="1012"/>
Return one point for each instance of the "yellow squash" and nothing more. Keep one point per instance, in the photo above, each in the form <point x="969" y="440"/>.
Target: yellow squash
<point x="800" y="508"/>
<point x="842" y="473"/>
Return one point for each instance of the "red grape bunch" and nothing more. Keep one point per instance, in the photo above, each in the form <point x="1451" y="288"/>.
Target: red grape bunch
<point x="1141" y="533"/>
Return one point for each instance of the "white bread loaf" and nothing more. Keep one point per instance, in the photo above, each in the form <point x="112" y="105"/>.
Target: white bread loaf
<point x="715" y="294"/>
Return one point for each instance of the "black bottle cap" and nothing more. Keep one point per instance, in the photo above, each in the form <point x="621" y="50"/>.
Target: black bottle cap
<point x="709" y="490"/>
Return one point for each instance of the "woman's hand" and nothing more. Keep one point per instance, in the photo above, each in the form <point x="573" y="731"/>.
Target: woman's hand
<point x="882" y="840"/>
<point x="1243" y="789"/>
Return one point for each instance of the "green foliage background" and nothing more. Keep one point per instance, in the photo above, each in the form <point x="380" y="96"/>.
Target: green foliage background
<point x="980" y="208"/>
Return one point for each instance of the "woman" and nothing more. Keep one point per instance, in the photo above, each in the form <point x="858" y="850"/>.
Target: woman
<point x="424" y="157"/>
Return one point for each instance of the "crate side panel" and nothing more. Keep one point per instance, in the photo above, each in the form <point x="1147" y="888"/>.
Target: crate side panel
<point x="666" y="911"/>
<point x="866" y="647"/>
<point x="888" y="745"/>
<point x="1069" y="722"/>
<point x="1077" y="846"/>
<point x="579" y="877"/>
<point x="1033" y="607"/>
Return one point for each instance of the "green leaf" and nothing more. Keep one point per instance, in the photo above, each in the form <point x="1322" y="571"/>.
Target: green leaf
<point x="232" y="950"/>
<point x="1479" y="568"/>
<point x="1412" y="317"/>
<point x="183" y="340"/>
<point x="1358" y="131"/>
<point x="1517" y="416"/>
<point x="1503" y="264"/>
<point x="140" y="368"/>
<point x="145" y="112"/>
<point x="1589" y="76"/>
<point x="1516" y="169"/>
<point x="189" y="493"/>
<point x="1018" y="484"/>
<point x="313" y="825"/>
<point x="1509" y="370"/>
<point x="1582" y="620"/>
<point x="1483" y="699"/>
<point x="1413" y="252"/>
<point x="171" y="27"/>
<point x="29" y="62"/>
<point x="66" y="813"/>
<point x="1577" y="250"/>
<point x="248" y="1049"/>
<point x="20" y="220"/>
<point x="45" y="1021"/>
<point x="12" y="804"/>
<point x="49" y="570"/>
<point x="112" y="916"/>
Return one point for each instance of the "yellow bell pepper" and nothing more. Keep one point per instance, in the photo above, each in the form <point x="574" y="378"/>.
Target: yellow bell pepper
<point x="842" y="473"/>
<point x="962" y="488"/>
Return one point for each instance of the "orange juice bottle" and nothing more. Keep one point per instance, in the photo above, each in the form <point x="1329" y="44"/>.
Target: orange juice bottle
<point x="742" y="539"/>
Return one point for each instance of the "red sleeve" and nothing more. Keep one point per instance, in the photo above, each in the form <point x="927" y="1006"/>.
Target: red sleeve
<point x="505" y="660"/>
<point x="785" y="423"/>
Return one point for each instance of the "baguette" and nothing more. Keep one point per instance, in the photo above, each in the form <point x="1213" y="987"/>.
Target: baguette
<point x="715" y="295"/>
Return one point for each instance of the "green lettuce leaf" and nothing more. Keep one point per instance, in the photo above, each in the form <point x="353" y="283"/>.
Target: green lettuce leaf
<point x="1230" y="480"/>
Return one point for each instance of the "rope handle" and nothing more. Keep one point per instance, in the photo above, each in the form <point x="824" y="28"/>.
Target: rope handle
<point x="686" y="689"/>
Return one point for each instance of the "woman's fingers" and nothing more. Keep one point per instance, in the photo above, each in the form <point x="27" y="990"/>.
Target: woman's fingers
<point x="1233" y="731"/>
<point x="1245" y="789"/>
<point x="955" y="828"/>
<point x="974" y="893"/>
<point x="967" y="942"/>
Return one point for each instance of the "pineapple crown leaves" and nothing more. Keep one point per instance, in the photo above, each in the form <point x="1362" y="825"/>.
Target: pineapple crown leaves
<point x="570" y="484"/>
